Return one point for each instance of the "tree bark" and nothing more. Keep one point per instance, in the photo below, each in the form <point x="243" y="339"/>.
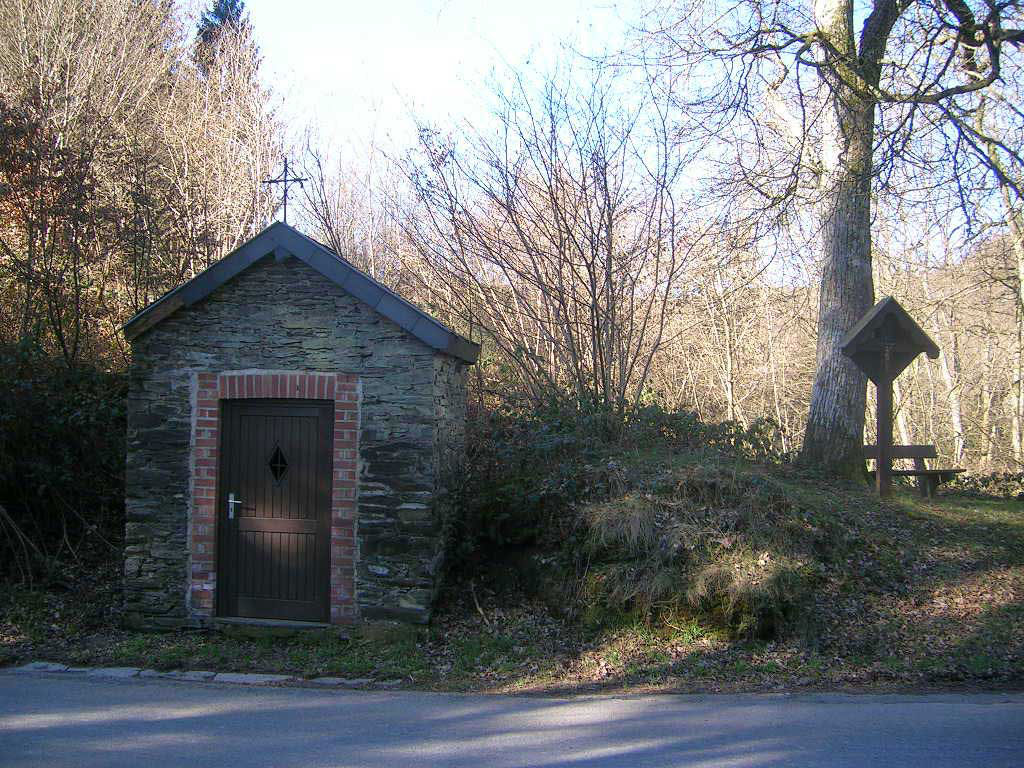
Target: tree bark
<point x="835" y="426"/>
<point x="1018" y="403"/>
<point x="902" y="427"/>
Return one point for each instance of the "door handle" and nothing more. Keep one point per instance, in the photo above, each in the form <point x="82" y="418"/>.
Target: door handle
<point x="232" y="501"/>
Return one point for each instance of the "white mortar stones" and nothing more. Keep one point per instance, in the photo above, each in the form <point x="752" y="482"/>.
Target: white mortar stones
<point x="247" y="678"/>
<point x="193" y="675"/>
<point x="201" y="676"/>
<point x="116" y="673"/>
<point x="39" y="666"/>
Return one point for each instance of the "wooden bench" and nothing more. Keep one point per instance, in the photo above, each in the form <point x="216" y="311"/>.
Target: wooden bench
<point x="928" y="480"/>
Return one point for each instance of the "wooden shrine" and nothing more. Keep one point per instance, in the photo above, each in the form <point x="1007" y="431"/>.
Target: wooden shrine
<point x="882" y="344"/>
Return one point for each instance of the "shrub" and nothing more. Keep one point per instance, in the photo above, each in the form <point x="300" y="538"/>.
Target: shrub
<point x="683" y="429"/>
<point x="528" y="473"/>
<point x="523" y="474"/>
<point x="62" y="443"/>
<point x="1001" y="485"/>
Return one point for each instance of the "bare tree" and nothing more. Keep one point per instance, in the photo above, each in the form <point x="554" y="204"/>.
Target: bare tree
<point x="346" y="202"/>
<point x="819" y="114"/>
<point x="125" y="168"/>
<point x="557" y="236"/>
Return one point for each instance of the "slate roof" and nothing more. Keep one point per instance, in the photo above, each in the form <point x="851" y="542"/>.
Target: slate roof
<point x="875" y="316"/>
<point x="885" y="341"/>
<point x="282" y="241"/>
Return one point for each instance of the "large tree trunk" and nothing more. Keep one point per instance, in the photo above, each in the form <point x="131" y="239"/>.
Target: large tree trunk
<point x="835" y="427"/>
<point x="1018" y="403"/>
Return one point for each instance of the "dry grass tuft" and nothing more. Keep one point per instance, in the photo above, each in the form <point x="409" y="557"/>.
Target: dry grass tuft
<point x="733" y="542"/>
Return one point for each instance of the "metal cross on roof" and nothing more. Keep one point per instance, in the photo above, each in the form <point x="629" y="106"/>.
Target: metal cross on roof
<point x="286" y="180"/>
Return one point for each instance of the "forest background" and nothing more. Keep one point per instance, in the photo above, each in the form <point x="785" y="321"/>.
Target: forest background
<point x="611" y="257"/>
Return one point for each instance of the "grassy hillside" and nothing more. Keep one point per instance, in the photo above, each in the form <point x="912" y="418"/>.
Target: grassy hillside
<point x="780" y="579"/>
<point x="671" y="570"/>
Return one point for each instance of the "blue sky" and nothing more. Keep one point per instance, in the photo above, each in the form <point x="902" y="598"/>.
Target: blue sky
<point x="358" y="68"/>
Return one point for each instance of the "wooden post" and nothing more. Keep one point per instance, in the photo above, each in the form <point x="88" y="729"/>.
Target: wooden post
<point x="883" y="428"/>
<point x="924" y="482"/>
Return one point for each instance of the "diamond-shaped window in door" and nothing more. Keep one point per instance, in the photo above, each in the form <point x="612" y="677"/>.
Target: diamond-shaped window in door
<point x="278" y="464"/>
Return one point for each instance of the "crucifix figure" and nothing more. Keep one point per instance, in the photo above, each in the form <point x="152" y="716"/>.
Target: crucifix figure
<point x="286" y="180"/>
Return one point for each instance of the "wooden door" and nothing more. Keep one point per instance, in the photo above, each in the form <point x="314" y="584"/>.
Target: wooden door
<point x="274" y="499"/>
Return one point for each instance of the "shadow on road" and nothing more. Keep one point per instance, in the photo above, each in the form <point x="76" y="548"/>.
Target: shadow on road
<point x="58" y="721"/>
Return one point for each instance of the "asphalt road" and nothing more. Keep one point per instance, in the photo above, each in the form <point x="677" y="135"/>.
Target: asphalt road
<point x="64" y="720"/>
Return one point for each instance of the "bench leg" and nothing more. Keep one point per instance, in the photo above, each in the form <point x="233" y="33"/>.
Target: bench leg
<point x="924" y="486"/>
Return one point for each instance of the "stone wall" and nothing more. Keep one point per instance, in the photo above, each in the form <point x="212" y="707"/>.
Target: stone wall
<point x="286" y="316"/>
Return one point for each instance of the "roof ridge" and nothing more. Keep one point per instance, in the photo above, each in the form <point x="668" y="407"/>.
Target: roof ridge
<point x="338" y="269"/>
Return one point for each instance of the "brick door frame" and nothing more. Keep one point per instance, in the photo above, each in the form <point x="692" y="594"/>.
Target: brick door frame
<point x="208" y="389"/>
